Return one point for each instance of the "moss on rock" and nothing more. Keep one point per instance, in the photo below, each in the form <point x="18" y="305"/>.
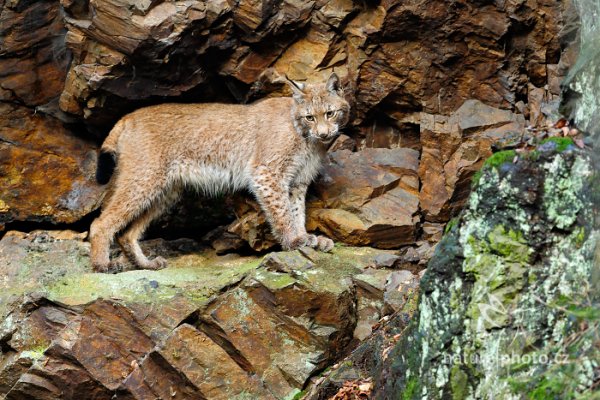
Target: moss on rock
<point x="562" y="143"/>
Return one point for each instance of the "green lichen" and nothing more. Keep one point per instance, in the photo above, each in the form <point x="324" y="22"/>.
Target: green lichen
<point x="197" y="284"/>
<point x="411" y="390"/>
<point x="562" y="143"/>
<point x="276" y="280"/>
<point x="296" y="394"/>
<point x="34" y="353"/>
<point x="570" y="362"/>
<point x="509" y="244"/>
<point x="458" y="383"/>
<point x="579" y="236"/>
<point x="499" y="158"/>
<point x="451" y="224"/>
<point x="562" y="188"/>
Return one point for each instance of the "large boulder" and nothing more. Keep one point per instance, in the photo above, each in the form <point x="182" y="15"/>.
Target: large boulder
<point x="506" y="302"/>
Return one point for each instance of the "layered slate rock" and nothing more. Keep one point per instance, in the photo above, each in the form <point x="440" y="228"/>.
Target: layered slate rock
<point x="454" y="147"/>
<point x="490" y="69"/>
<point x="368" y="198"/>
<point x="397" y="57"/>
<point x="35" y="58"/>
<point x="207" y="327"/>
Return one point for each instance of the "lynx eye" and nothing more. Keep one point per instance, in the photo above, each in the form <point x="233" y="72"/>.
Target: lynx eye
<point x="330" y="114"/>
<point x="310" y="118"/>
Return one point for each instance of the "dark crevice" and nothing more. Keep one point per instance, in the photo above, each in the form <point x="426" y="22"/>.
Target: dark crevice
<point x="218" y="336"/>
<point x="81" y="225"/>
<point x="4" y="346"/>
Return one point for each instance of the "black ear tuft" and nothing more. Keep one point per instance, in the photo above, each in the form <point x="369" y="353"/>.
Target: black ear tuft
<point x="105" y="168"/>
<point x="297" y="89"/>
<point x="333" y="84"/>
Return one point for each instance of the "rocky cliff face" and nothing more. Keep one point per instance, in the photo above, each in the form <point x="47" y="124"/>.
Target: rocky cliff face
<point x="434" y="86"/>
<point x="508" y="305"/>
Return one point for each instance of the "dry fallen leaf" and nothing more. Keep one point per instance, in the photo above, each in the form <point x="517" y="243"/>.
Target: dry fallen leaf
<point x="355" y="390"/>
<point x="579" y="143"/>
<point x="561" y="123"/>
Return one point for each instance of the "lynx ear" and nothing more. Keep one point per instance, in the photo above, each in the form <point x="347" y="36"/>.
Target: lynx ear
<point x="333" y="84"/>
<point x="297" y="89"/>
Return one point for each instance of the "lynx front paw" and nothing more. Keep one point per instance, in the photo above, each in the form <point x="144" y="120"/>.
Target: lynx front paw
<point x="324" y="244"/>
<point x="156" y="264"/>
<point x="301" y="241"/>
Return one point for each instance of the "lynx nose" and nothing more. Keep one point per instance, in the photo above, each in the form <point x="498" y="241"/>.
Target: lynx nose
<point x="323" y="133"/>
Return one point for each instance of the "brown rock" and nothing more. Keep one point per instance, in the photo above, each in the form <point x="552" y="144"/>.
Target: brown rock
<point x="399" y="287"/>
<point x="208" y="370"/>
<point x="432" y="231"/>
<point x="108" y="343"/>
<point x="454" y="148"/>
<point x="108" y="40"/>
<point x="46" y="172"/>
<point x="251" y="225"/>
<point x="370" y="287"/>
<point x="34" y="56"/>
<point x="343" y="142"/>
<point x="369" y="197"/>
<point x="155" y="378"/>
<point x="473" y="116"/>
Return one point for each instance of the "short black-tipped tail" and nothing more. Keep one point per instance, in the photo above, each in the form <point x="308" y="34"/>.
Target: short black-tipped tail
<point x="106" y="167"/>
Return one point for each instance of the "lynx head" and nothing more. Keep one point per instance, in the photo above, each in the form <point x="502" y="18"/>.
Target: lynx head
<point x="319" y="111"/>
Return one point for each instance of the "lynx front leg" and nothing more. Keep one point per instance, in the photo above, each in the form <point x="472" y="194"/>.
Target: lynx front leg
<point x="273" y="196"/>
<point x="298" y="204"/>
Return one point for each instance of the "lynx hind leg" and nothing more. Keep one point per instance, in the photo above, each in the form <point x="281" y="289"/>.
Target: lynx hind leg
<point x="127" y="202"/>
<point x="114" y="217"/>
<point x="129" y="241"/>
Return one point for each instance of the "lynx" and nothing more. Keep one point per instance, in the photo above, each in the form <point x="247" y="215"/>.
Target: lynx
<point x="273" y="148"/>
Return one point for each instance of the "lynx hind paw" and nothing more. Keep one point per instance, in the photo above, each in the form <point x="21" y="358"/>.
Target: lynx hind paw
<point x="100" y="268"/>
<point x="324" y="244"/>
<point x="156" y="264"/>
<point x="113" y="267"/>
